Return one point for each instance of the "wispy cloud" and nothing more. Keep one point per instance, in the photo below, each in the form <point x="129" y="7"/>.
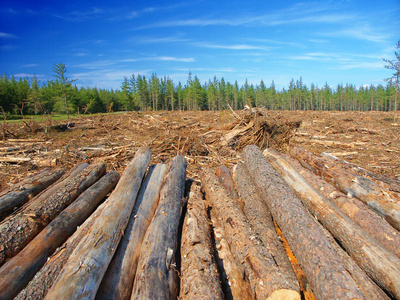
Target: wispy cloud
<point x="5" y="35"/>
<point x="29" y="65"/>
<point x="230" y="47"/>
<point x="29" y="75"/>
<point x="151" y="9"/>
<point x="160" y="58"/>
<point x="159" y="40"/>
<point x="80" y="16"/>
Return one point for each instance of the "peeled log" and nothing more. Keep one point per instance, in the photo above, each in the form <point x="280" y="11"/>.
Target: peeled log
<point x="390" y="183"/>
<point x="25" y="190"/>
<point x="267" y="281"/>
<point x="319" y="261"/>
<point x="361" y="214"/>
<point x="225" y="177"/>
<point x="199" y="274"/>
<point x="118" y="280"/>
<point x="18" y="230"/>
<point x="86" y="266"/>
<point x="156" y="275"/>
<point x="16" y="273"/>
<point x="380" y="264"/>
<point x="261" y="222"/>
<point x="232" y="272"/>
<point x="38" y="287"/>
<point x="383" y="201"/>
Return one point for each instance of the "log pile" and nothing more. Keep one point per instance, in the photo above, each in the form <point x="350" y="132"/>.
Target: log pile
<point x="294" y="226"/>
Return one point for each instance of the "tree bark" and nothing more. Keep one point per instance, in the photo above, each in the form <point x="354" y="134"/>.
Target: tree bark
<point x="265" y="278"/>
<point x="383" y="201"/>
<point x="82" y="274"/>
<point x="20" y="193"/>
<point x="390" y="183"/>
<point x="361" y="214"/>
<point x="199" y="274"/>
<point x="118" y="280"/>
<point x="261" y="222"/>
<point x="232" y="273"/>
<point x="156" y="275"/>
<point x="324" y="269"/>
<point x="38" y="287"/>
<point x="18" y="230"/>
<point x="16" y="273"/>
<point x="225" y="177"/>
<point x="379" y="263"/>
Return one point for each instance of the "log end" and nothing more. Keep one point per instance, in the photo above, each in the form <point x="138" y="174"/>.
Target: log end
<point x="284" y="294"/>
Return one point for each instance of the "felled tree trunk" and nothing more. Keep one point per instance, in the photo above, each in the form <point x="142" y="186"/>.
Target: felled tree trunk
<point x="380" y="264"/>
<point x="383" y="201"/>
<point x="20" y="193"/>
<point x="390" y="183"/>
<point x="226" y="179"/>
<point x="361" y="214"/>
<point x="118" y="280"/>
<point x="199" y="275"/>
<point x="265" y="278"/>
<point x="156" y="275"/>
<point x="38" y="287"/>
<point x="233" y="281"/>
<point x="19" y="229"/>
<point x="261" y="222"/>
<point x="16" y="273"/>
<point x="321" y="264"/>
<point x="86" y="266"/>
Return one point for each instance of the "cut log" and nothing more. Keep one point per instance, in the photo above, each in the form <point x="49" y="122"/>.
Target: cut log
<point x="82" y="274"/>
<point x="118" y="280"/>
<point x="383" y="201"/>
<point x="14" y="160"/>
<point x="319" y="261"/>
<point x="390" y="183"/>
<point x="38" y="287"/>
<point x="361" y="214"/>
<point x="261" y="222"/>
<point x="16" y="273"/>
<point x="265" y="278"/>
<point x="199" y="274"/>
<point x="379" y="263"/>
<point x="156" y="275"/>
<point x="19" y="193"/>
<point x="232" y="272"/>
<point x="18" y="230"/>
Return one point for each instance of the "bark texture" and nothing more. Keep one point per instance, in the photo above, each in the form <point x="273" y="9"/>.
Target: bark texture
<point x="380" y="264"/>
<point x="321" y="264"/>
<point x="16" y="273"/>
<point x="265" y="278"/>
<point x="38" y="287"/>
<point x="361" y="214"/>
<point x="118" y="280"/>
<point x="18" y="230"/>
<point x="156" y="272"/>
<point x="199" y="274"/>
<point x="383" y="201"/>
<point x="20" y="193"/>
<point x="81" y="276"/>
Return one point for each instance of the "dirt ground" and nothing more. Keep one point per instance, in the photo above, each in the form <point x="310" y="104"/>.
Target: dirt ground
<point x="368" y="139"/>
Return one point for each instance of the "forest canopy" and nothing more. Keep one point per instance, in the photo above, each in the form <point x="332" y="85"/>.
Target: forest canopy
<point x="32" y="97"/>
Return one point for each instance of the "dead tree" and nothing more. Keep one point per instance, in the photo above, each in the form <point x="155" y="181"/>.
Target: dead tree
<point x="156" y="275"/>
<point x="17" y="272"/>
<point x="82" y="274"/>
<point x="383" y="201"/>
<point x="265" y="278"/>
<point x="320" y="262"/>
<point x="21" y="192"/>
<point x="118" y="280"/>
<point x="379" y="263"/>
<point x="199" y="274"/>
<point x="20" y="228"/>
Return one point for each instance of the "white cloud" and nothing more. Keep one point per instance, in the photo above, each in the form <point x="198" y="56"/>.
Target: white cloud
<point x="230" y="47"/>
<point x="5" y="35"/>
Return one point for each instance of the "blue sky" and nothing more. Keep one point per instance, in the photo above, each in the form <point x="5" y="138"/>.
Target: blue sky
<point x="100" y="41"/>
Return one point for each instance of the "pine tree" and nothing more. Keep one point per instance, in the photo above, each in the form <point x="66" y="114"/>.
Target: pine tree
<point x="394" y="65"/>
<point x="63" y="83"/>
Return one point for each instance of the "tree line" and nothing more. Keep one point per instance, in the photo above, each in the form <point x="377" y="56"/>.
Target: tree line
<point x="32" y="97"/>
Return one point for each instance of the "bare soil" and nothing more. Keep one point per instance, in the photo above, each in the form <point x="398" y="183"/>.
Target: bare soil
<point x="368" y="139"/>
